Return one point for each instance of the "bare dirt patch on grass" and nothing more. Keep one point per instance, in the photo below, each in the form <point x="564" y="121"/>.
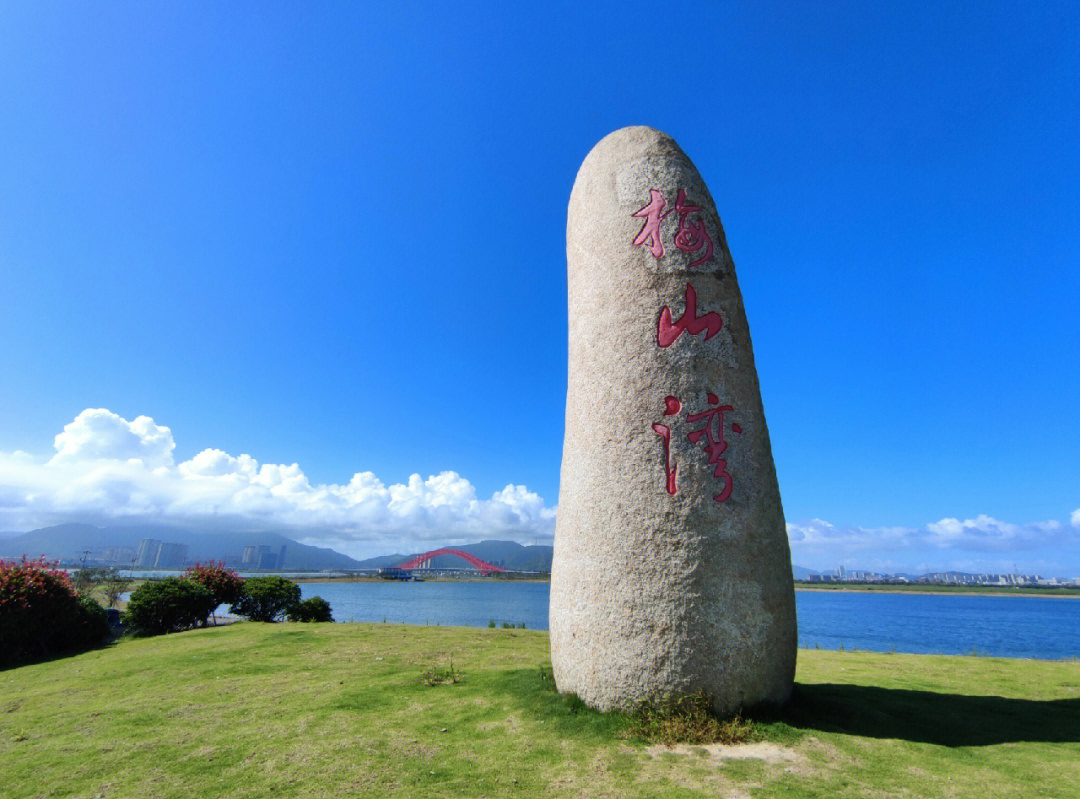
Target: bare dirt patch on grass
<point x="592" y="780"/>
<point x="510" y="724"/>
<point x="779" y="759"/>
<point x="201" y="752"/>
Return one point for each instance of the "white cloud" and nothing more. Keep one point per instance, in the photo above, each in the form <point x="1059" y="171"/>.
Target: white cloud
<point x="215" y="463"/>
<point x="98" y="434"/>
<point x="106" y="468"/>
<point x="980" y="544"/>
<point x="986" y="533"/>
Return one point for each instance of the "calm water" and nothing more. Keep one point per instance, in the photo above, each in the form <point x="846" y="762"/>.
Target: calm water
<point x="1008" y="626"/>
<point x="456" y="604"/>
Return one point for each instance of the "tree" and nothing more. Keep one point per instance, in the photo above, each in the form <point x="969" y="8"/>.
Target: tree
<point x="168" y="606"/>
<point x="266" y="598"/>
<point x="86" y="579"/>
<point x="315" y="609"/>
<point x="225" y="584"/>
<point x="113" y="585"/>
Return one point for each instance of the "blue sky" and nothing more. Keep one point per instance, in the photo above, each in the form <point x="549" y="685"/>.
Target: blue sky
<point x="332" y="239"/>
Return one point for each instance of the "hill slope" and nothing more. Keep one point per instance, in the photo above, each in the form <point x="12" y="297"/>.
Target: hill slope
<point x="342" y="710"/>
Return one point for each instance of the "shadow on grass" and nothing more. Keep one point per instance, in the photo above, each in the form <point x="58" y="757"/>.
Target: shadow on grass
<point x="36" y="659"/>
<point x="928" y="717"/>
<point x="532" y="693"/>
<point x="943" y="719"/>
<point x="868" y="711"/>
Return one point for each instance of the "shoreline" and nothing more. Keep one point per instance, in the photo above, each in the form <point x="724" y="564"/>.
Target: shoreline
<point x="1047" y="593"/>
<point x="374" y="579"/>
<point x="1031" y="592"/>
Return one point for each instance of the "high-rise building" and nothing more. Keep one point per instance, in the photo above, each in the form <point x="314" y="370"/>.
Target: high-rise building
<point x="263" y="558"/>
<point x="121" y="555"/>
<point x="171" y="556"/>
<point x="147" y="554"/>
<point x="267" y="559"/>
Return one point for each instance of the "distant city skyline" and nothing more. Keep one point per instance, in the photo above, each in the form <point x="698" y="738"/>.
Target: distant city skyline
<point x="303" y="268"/>
<point x="77" y="544"/>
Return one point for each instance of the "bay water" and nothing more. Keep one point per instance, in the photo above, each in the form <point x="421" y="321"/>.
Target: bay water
<point x="1005" y="626"/>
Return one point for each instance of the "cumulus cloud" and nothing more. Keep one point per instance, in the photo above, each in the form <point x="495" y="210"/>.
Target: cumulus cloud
<point x="99" y="434"/>
<point x="106" y="468"/>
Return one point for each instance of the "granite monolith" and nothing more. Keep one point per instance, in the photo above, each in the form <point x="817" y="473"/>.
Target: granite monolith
<point x="671" y="573"/>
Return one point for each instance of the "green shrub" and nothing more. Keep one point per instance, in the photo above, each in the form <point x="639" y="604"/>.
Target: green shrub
<point x="444" y="676"/>
<point x="688" y="720"/>
<point x="315" y="609"/>
<point x="168" y="606"/>
<point x="92" y="624"/>
<point x="267" y="598"/>
<point x="41" y="615"/>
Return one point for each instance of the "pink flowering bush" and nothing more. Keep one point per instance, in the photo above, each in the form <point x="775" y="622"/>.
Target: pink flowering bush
<point x="42" y="615"/>
<point x="224" y="583"/>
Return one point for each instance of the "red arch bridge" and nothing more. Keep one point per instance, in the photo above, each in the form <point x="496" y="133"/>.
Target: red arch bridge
<point x="424" y="561"/>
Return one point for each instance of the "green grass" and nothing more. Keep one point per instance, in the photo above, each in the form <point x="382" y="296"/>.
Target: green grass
<point x="339" y="710"/>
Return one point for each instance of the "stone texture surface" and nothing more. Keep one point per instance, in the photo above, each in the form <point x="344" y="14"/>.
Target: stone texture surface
<point x="653" y="593"/>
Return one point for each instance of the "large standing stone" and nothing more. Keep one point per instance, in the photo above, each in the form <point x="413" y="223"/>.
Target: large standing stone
<point x="672" y="573"/>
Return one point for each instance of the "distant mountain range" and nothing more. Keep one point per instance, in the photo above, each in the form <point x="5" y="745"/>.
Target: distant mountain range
<point x="506" y="554"/>
<point x="68" y="542"/>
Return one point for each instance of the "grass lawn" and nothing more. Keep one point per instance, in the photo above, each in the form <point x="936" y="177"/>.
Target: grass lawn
<point x="342" y="710"/>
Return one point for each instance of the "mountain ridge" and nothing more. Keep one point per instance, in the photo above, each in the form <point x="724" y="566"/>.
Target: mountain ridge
<point x="68" y="542"/>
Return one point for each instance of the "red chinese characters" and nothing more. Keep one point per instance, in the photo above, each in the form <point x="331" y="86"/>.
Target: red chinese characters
<point x="668" y="332"/>
<point x="715" y="444"/>
<point x="713" y="433"/>
<point x="671" y="470"/>
<point x="691" y="237"/>
<point x="650" y="231"/>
